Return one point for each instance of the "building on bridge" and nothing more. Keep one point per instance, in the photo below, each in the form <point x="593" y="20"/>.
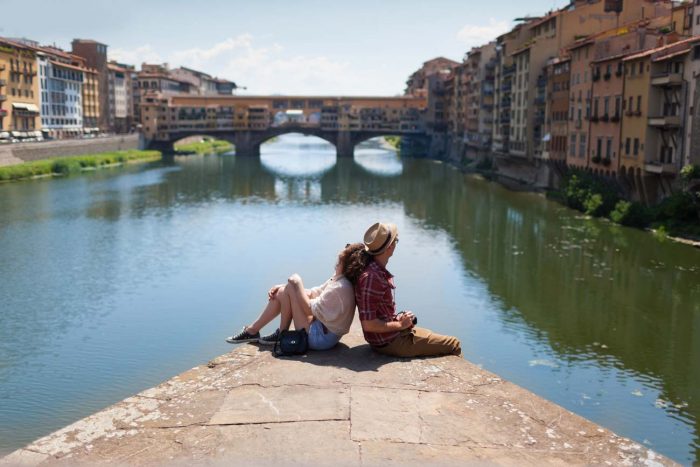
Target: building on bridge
<point x="248" y="121"/>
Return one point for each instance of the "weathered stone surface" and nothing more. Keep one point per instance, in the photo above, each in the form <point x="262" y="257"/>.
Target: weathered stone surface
<point x="254" y="404"/>
<point x="347" y="406"/>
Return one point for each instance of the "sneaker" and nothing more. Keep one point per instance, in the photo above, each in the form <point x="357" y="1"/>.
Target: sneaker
<point x="243" y="336"/>
<point x="271" y="339"/>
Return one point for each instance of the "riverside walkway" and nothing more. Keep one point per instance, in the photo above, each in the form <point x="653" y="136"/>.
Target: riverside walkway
<point x="347" y="406"/>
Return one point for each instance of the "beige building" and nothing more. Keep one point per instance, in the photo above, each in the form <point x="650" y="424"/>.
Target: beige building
<point x="121" y="117"/>
<point x="479" y="99"/>
<point x="655" y="117"/>
<point x="19" y="92"/>
<point x="504" y="74"/>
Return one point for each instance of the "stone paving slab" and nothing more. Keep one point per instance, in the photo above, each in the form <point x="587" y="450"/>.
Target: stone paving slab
<point x="347" y="406"/>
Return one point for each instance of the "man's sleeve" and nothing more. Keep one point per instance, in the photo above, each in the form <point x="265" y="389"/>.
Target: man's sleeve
<point x="369" y="296"/>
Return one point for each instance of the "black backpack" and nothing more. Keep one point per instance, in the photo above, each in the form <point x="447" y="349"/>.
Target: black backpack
<point x="292" y="343"/>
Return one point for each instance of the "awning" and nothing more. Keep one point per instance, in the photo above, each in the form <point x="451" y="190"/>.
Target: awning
<point x="4" y="135"/>
<point x="23" y="106"/>
<point x="16" y="134"/>
<point x="37" y="133"/>
<point x="24" y="134"/>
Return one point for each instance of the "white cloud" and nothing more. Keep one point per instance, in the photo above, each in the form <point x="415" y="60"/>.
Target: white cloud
<point x="479" y="34"/>
<point x="266" y="68"/>
<point x="144" y="53"/>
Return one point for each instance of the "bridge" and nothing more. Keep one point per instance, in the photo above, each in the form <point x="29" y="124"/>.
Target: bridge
<point x="249" y="121"/>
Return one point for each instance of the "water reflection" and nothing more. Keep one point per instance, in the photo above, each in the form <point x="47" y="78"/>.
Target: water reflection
<point x="298" y="156"/>
<point x="602" y="319"/>
<point x="377" y="159"/>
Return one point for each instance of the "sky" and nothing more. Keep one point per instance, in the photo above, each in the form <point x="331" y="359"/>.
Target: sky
<point x="313" y="47"/>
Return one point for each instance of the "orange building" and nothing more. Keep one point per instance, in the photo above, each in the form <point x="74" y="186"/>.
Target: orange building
<point x="19" y="92"/>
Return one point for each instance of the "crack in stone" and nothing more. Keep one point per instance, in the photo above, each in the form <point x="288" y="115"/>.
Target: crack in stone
<point x="169" y="399"/>
<point x="281" y="422"/>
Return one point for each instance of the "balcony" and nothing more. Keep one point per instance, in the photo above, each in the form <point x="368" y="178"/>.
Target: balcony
<point x="667" y="79"/>
<point x="605" y="118"/>
<point x="607" y="76"/>
<point x="3" y="113"/>
<point x="3" y="82"/>
<point x="665" y="121"/>
<point x="615" y="118"/>
<point x="3" y="97"/>
<point x="655" y="167"/>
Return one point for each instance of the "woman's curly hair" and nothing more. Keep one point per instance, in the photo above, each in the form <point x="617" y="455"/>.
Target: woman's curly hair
<point x="354" y="259"/>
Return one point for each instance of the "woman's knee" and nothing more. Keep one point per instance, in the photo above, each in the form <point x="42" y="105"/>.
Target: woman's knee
<point x="295" y="280"/>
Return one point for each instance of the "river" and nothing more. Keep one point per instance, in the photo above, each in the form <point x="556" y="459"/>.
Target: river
<point x="115" y="280"/>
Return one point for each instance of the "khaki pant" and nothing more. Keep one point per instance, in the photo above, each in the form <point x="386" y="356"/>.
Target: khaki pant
<point x="419" y="342"/>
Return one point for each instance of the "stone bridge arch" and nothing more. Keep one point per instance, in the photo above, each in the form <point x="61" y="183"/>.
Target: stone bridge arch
<point x="248" y="142"/>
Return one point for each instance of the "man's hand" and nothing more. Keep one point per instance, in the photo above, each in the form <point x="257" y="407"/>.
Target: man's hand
<point x="272" y="293"/>
<point x="406" y="319"/>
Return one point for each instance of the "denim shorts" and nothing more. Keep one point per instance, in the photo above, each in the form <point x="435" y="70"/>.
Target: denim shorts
<point x="320" y="340"/>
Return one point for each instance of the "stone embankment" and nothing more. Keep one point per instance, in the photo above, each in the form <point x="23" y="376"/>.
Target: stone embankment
<point x="347" y="406"/>
<point x="12" y="154"/>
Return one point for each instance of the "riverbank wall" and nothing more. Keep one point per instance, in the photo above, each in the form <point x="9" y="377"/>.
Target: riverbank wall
<point x="346" y="406"/>
<point x="12" y="154"/>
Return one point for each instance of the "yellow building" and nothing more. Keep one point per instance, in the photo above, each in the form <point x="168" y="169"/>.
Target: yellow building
<point x="19" y="92"/>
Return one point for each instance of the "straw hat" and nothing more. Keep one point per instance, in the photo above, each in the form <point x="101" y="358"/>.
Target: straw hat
<point x="379" y="237"/>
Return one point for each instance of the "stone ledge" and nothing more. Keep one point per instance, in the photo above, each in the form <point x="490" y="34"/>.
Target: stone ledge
<point x="347" y="406"/>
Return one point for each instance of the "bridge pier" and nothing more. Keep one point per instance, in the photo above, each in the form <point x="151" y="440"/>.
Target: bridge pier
<point x="165" y="147"/>
<point x="345" y="145"/>
<point x="245" y="145"/>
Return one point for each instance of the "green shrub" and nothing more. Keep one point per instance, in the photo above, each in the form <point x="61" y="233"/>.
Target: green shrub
<point x="680" y="206"/>
<point x="67" y="165"/>
<point x="690" y="172"/>
<point x="661" y="233"/>
<point x="630" y="214"/>
<point x="205" y="146"/>
<point x="593" y="204"/>
<point x="587" y="194"/>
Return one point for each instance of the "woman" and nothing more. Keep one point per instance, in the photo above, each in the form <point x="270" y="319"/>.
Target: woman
<point x="326" y="311"/>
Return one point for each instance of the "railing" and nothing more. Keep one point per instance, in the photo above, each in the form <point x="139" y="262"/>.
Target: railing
<point x="3" y="82"/>
<point x="607" y="76"/>
<point x="667" y="79"/>
<point x="3" y="113"/>
<point x="665" y="121"/>
<point x="3" y="97"/>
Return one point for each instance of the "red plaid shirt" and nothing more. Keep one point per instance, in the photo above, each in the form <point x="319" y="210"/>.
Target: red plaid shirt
<point x="375" y="300"/>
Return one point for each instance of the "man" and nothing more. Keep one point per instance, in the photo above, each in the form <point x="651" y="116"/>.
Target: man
<point x="386" y="331"/>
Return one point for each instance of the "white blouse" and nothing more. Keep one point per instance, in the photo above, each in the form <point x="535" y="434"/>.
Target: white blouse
<point x="333" y="303"/>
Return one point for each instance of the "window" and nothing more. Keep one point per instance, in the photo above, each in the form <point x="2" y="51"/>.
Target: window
<point x="639" y="103"/>
<point x="628" y="141"/>
<point x="582" y="146"/>
<point x="636" y="147"/>
<point x="599" y="147"/>
<point x="572" y="147"/>
<point x="641" y="68"/>
<point x="608" y="149"/>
